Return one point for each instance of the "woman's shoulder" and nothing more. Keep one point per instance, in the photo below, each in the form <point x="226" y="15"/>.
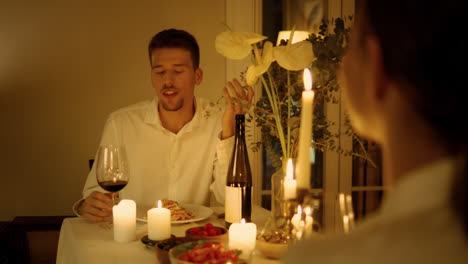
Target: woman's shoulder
<point x="429" y="237"/>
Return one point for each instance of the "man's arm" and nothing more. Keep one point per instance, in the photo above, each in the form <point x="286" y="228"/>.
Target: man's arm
<point x="96" y="205"/>
<point x="239" y="100"/>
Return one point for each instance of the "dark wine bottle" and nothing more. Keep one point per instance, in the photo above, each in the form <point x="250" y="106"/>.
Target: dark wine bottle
<point x="238" y="203"/>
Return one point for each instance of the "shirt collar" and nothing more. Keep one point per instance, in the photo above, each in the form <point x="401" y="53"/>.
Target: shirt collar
<point x="152" y="115"/>
<point x="421" y="189"/>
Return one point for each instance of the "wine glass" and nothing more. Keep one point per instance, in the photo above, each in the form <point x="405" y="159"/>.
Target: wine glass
<point x="112" y="169"/>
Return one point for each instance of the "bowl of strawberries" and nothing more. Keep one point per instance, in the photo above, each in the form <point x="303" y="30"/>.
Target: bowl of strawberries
<point x="208" y="232"/>
<point x="201" y="251"/>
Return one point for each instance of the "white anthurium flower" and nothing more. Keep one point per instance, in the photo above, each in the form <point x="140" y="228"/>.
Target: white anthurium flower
<point x="236" y="45"/>
<point x="294" y="57"/>
<point x="263" y="62"/>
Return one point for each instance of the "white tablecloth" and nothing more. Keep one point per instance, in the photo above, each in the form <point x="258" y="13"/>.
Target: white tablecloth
<point x="84" y="242"/>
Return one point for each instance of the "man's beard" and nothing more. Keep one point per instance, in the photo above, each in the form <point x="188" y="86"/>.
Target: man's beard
<point x="177" y="107"/>
<point x="167" y="107"/>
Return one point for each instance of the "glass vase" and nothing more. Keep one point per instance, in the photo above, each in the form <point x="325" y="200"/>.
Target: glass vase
<point x="277" y="192"/>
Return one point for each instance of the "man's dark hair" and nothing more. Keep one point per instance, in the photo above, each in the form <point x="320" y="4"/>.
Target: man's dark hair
<point x="175" y="38"/>
<point x="424" y="51"/>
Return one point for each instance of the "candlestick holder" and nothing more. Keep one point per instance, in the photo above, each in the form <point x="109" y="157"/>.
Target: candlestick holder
<point x="277" y="192"/>
<point x="151" y="243"/>
<point x="310" y="204"/>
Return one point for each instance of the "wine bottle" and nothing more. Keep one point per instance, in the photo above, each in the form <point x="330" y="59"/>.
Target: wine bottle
<point x="238" y="203"/>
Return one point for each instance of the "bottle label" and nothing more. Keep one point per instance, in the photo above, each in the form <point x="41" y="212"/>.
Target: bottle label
<point x="235" y="199"/>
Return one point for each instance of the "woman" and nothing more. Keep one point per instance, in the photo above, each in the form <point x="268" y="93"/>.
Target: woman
<point x="403" y="85"/>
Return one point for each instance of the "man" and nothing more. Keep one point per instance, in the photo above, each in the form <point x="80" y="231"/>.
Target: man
<point x="178" y="145"/>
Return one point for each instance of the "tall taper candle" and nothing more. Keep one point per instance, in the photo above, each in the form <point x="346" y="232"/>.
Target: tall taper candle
<point x="290" y="184"/>
<point x="305" y="134"/>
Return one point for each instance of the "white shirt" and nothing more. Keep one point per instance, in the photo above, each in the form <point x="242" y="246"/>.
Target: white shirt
<point x="183" y="167"/>
<point x="415" y="224"/>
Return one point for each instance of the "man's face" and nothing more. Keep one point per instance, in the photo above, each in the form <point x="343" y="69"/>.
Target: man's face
<point x="174" y="78"/>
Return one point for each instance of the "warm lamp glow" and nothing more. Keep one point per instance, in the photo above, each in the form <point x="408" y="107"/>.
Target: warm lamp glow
<point x="297" y="37"/>
<point x="307" y="80"/>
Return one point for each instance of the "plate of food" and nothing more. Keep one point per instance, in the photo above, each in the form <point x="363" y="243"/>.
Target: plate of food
<point x="180" y="213"/>
<point x="200" y="251"/>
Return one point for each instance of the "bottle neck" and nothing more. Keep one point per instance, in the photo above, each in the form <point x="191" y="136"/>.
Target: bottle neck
<point x="240" y="126"/>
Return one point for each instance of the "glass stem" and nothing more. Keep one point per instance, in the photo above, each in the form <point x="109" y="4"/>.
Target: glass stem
<point x="113" y="198"/>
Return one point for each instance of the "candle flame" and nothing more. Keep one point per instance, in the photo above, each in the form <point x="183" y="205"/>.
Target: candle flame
<point x="289" y="170"/>
<point x="308" y="211"/>
<point x="242" y="221"/>
<point x="307" y="77"/>
<point x="159" y="204"/>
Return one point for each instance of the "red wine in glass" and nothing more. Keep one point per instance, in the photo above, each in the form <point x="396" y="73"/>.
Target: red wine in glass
<point x="113" y="186"/>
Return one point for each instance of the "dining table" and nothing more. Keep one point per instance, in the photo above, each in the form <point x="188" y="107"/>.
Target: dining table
<point x="82" y="241"/>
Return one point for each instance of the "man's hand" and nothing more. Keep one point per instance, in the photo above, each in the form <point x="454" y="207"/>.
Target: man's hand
<point x="239" y="100"/>
<point x="96" y="207"/>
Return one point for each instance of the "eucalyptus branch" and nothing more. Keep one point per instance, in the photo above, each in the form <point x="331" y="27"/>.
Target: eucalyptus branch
<point x="360" y="143"/>
<point x="324" y="146"/>
<point x="364" y="157"/>
<point x="264" y="111"/>
<point x="265" y="120"/>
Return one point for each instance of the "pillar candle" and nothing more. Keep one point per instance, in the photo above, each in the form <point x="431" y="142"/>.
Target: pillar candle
<point x="243" y="236"/>
<point x="159" y="223"/>
<point x="124" y="221"/>
<point x="305" y="133"/>
<point x="289" y="182"/>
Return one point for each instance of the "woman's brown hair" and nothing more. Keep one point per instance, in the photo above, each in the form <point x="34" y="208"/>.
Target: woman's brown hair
<point x="424" y="46"/>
